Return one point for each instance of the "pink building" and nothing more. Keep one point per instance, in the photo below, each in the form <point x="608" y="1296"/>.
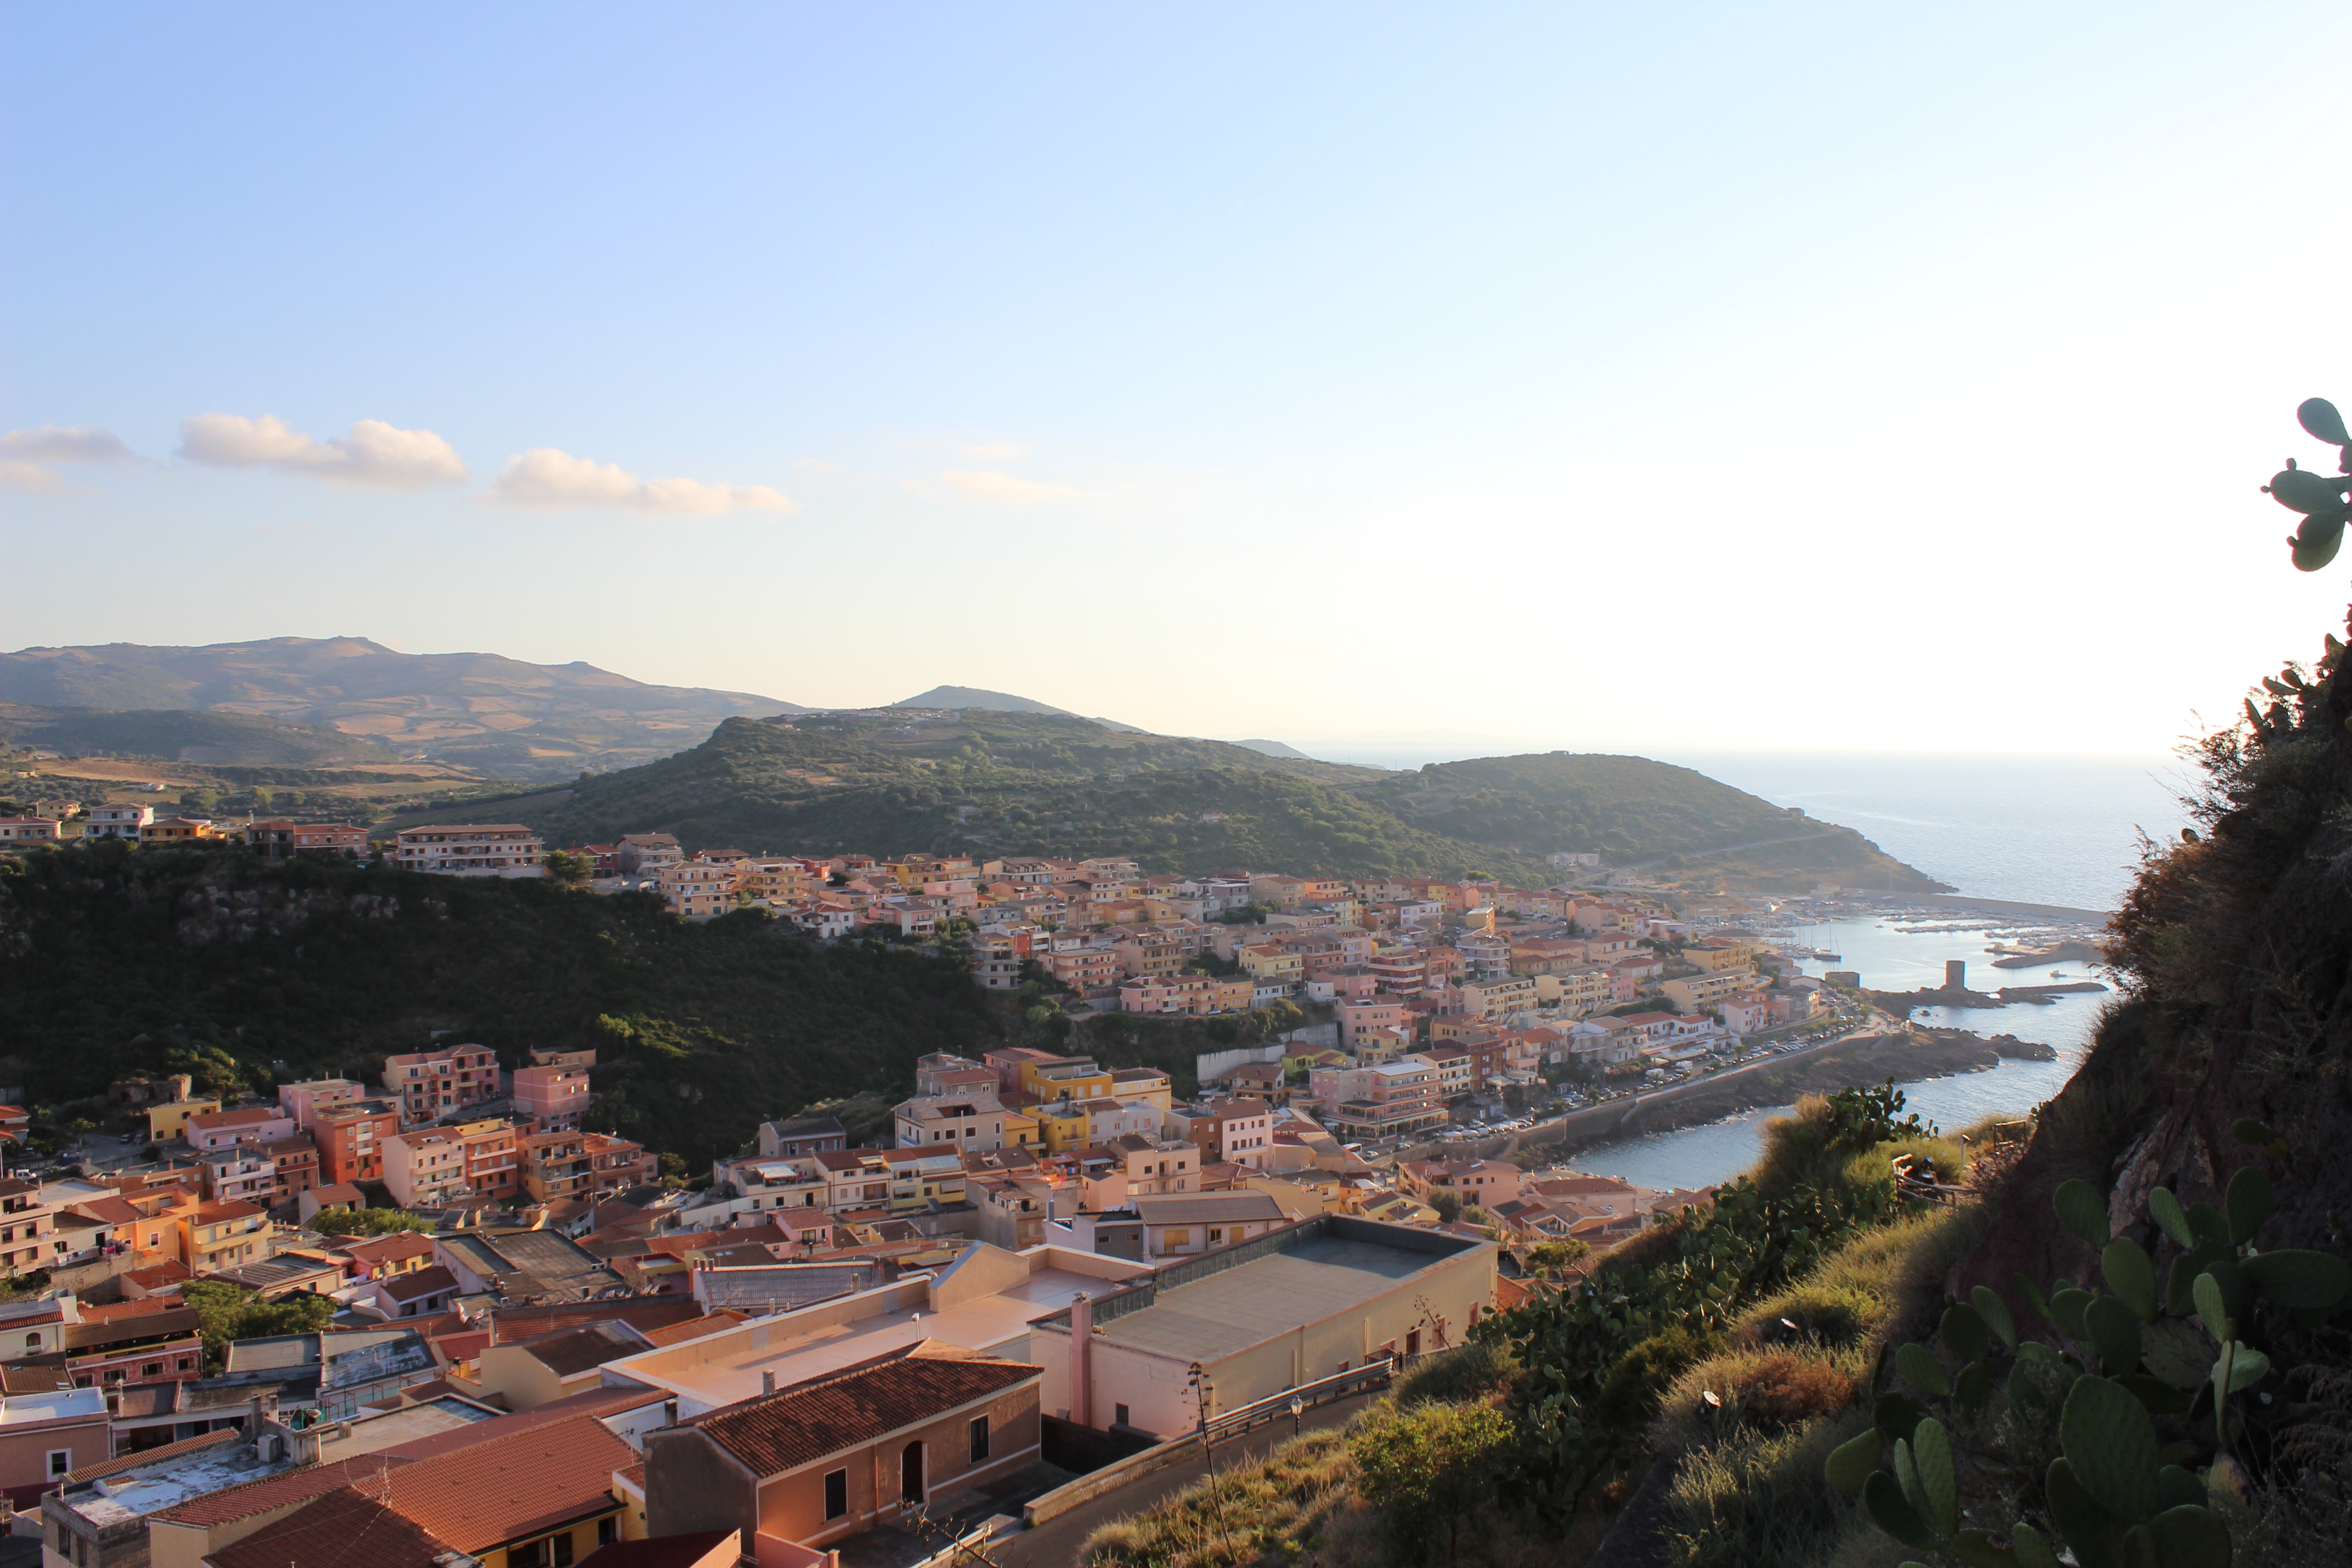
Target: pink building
<point x="551" y="1096"/>
<point x="1371" y="1012"/>
<point x="251" y="1127"/>
<point x="303" y="1101"/>
<point x="431" y="1084"/>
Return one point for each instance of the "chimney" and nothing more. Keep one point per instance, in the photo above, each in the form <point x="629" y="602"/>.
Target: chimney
<point x="669" y="1412"/>
<point x="768" y="1382"/>
<point x="1082" y="1344"/>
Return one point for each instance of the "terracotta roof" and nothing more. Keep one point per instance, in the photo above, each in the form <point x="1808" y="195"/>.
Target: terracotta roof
<point x="106" y="1211"/>
<point x="271" y="1492"/>
<point x="344" y="1529"/>
<point x="695" y="1328"/>
<point x="421" y="1283"/>
<point x="392" y="1249"/>
<point x="643" y="1313"/>
<point x="500" y="1488"/>
<point x="796" y="1426"/>
<point x="597" y="1404"/>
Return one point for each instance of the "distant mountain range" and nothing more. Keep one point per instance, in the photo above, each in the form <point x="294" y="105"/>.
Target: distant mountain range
<point x="187" y="736"/>
<point x="500" y="715"/>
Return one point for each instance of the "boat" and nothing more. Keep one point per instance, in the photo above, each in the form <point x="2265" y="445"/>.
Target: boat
<point x="1829" y="957"/>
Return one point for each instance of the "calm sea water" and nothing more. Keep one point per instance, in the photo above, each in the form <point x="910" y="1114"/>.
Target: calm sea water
<point x="2048" y="831"/>
<point x="1891" y="960"/>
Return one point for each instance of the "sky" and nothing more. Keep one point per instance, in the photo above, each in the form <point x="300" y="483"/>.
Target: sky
<point x="1394" y="378"/>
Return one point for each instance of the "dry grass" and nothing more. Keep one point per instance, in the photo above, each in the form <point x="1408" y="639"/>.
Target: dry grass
<point x="1750" y="1493"/>
<point x="1275" y="1510"/>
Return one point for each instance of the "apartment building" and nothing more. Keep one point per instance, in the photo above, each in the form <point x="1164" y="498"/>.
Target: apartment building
<point x="552" y="1096"/>
<point x="697" y="890"/>
<point x="28" y="1227"/>
<point x="280" y="839"/>
<point x="1697" y="992"/>
<point x="1378" y="1101"/>
<point x="239" y="1174"/>
<point x="294" y="1163"/>
<point x="425" y="1168"/>
<point x="473" y="849"/>
<point x="117" y="821"/>
<point x="1240" y="1131"/>
<point x="303" y="1101"/>
<point x="350" y="1140"/>
<point x="429" y="1085"/>
<point x="616" y="1165"/>
<point x="248" y="1128"/>
<point x="493" y="1165"/>
<point x="555" y="1165"/>
<point x="218" y="1236"/>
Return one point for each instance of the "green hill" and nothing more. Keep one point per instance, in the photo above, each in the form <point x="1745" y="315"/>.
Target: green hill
<point x="1008" y="783"/>
<point x="111" y="961"/>
<point x="189" y="735"/>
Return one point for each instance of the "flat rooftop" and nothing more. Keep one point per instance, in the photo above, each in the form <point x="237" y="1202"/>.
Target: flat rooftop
<point x="726" y="1367"/>
<point x="1213" y="1317"/>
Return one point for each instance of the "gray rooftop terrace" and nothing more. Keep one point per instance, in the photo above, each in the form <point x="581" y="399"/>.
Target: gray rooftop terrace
<point x="1227" y="1311"/>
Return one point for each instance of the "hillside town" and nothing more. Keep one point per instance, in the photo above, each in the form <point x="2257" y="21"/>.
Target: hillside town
<point x="439" y="1305"/>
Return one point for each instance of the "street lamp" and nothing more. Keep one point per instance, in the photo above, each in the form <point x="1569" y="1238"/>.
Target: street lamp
<point x="1298" y="1409"/>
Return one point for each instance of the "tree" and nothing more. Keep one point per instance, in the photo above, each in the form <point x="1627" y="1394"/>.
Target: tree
<point x="1432" y="1468"/>
<point x="1549" y="1258"/>
<point x="567" y="867"/>
<point x="341" y="1221"/>
<point x="1447" y="1204"/>
<point x="225" y="1313"/>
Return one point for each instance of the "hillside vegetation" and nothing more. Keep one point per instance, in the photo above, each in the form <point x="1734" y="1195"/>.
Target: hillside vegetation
<point x="191" y="735"/>
<point x="472" y="710"/>
<point x="1023" y="783"/>
<point x="114" y="961"/>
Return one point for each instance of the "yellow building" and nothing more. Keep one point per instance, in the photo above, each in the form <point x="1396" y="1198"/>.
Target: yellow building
<point x="1697" y="992"/>
<point x="1148" y="1085"/>
<point x="1720" y="953"/>
<point x="1582" y="991"/>
<point x="1273" y="964"/>
<point x="1022" y="1131"/>
<point x="1064" y="1125"/>
<point x="1494" y="998"/>
<point x="165" y="1122"/>
<point x="1077" y="1080"/>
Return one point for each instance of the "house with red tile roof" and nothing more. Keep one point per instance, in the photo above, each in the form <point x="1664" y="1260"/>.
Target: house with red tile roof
<point x="825" y="1459"/>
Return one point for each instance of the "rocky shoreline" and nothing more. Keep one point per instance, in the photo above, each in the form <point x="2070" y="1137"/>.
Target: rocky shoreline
<point x="1865" y="1060"/>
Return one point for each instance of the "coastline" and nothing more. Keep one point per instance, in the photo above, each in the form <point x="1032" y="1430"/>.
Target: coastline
<point x="1860" y="1061"/>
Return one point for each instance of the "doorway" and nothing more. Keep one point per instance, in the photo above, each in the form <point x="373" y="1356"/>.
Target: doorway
<point x="910" y="1476"/>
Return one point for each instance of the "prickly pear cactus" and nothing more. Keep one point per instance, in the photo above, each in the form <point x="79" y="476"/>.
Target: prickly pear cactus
<point x="2144" y="1351"/>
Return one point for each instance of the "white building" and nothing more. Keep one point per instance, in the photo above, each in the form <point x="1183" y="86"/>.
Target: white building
<point x="496" y="849"/>
<point x="117" y="821"/>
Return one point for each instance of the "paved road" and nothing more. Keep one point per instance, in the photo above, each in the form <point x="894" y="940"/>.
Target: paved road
<point x="1055" y="1543"/>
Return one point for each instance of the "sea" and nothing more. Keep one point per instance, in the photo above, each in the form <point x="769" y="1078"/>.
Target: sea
<point x="2062" y="831"/>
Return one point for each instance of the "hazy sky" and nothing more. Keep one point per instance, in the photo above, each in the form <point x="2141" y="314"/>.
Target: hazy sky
<point x="1666" y="376"/>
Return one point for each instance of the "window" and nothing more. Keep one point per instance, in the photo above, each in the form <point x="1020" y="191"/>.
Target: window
<point x="547" y="1552"/>
<point x="151" y="1369"/>
<point x="1215" y="1237"/>
<point x="608" y="1529"/>
<point x="1119" y="1416"/>
<point x="60" y="1462"/>
<point x="31" y="1341"/>
<point x="836" y="1493"/>
<point x="1177" y="1238"/>
<point x="979" y="1430"/>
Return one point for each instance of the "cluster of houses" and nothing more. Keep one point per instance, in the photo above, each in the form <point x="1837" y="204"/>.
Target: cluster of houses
<point x="826" y="1350"/>
<point x="830" y="1351"/>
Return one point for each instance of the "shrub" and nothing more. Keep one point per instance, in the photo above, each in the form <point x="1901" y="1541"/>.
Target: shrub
<point x="1780" y="1388"/>
<point x="1477" y="1368"/>
<point x="1648" y="1369"/>
<point x="1433" y="1469"/>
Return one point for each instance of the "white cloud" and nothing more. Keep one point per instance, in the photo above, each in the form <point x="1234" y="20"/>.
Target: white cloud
<point x="987" y="484"/>
<point x="997" y="452"/>
<point x="17" y="474"/>
<point x="544" y="477"/>
<point x="66" y="444"/>
<point x="23" y="453"/>
<point x="371" y="455"/>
